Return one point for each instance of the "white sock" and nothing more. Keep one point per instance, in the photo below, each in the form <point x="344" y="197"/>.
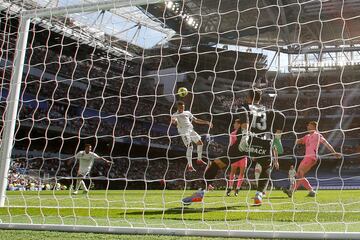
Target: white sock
<point x="257" y="176"/>
<point x="77" y="185"/>
<point x="83" y="185"/>
<point x="199" y="151"/>
<point x="189" y="151"/>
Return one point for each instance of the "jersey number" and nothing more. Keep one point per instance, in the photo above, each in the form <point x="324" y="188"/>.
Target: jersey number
<point x="259" y="120"/>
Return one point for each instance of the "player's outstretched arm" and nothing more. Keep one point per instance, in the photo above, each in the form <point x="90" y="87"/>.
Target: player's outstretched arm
<point x="105" y="160"/>
<point x="278" y="125"/>
<point x="243" y="116"/>
<point x="203" y="122"/>
<point x="244" y="141"/>
<point x="300" y="141"/>
<point x="276" y="158"/>
<point x="101" y="158"/>
<point x="330" y="148"/>
<point x="277" y="142"/>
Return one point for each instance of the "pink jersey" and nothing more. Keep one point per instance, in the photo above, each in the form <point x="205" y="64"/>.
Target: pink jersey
<point x="312" y="142"/>
<point x="233" y="137"/>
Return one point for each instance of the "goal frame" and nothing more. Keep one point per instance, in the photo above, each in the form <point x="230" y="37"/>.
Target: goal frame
<point x="11" y="110"/>
<point x="183" y="231"/>
<point x="11" y="113"/>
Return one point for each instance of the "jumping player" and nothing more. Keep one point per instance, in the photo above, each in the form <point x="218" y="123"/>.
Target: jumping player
<point x="183" y="120"/>
<point x="254" y="139"/>
<point x="241" y="164"/>
<point x="292" y="176"/>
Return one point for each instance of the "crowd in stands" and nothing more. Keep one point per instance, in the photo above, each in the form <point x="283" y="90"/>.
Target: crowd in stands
<point x="61" y="116"/>
<point x="88" y="95"/>
<point x="22" y="177"/>
<point x="229" y="103"/>
<point x="122" y="169"/>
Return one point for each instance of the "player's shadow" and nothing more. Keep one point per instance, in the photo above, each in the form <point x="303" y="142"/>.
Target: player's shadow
<point x="270" y="197"/>
<point x="184" y="210"/>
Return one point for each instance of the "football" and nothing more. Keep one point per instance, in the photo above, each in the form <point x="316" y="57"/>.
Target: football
<point x="182" y="92"/>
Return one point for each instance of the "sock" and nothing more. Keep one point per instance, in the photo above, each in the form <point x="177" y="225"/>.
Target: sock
<point x="78" y="183"/>
<point x="307" y="185"/>
<point x="304" y="182"/>
<point x="231" y="181"/>
<point x="239" y="181"/>
<point x="189" y="151"/>
<point x="83" y="185"/>
<point x="257" y="175"/>
<point x="199" y="151"/>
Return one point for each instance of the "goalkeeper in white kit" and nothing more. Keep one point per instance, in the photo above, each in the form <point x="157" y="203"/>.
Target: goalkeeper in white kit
<point x="86" y="160"/>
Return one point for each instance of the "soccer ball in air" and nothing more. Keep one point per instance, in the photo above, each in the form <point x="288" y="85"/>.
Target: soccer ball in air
<point x="182" y="92"/>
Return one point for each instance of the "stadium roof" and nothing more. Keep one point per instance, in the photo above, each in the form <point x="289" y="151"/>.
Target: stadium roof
<point x="292" y="25"/>
<point x="128" y="27"/>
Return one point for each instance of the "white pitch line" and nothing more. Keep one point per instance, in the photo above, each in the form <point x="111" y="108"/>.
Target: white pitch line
<point x="186" y="208"/>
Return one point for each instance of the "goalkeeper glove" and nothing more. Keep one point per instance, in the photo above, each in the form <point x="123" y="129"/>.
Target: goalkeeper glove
<point x="244" y="142"/>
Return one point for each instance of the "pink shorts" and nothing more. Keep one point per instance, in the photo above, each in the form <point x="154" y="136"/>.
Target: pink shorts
<point x="308" y="162"/>
<point x="242" y="163"/>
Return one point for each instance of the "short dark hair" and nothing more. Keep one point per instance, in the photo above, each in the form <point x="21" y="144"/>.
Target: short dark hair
<point x="255" y="94"/>
<point x="238" y="121"/>
<point x="314" y="123"/>
<point x="180" y="103"/>
<point x="87" y="145"/>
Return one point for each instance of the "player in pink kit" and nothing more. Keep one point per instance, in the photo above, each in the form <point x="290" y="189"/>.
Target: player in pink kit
<point x="312" y="142"/>
<point x="241" y="164"/>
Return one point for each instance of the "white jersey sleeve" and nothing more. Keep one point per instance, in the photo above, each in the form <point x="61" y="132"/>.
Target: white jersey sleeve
<point x="79" y="154"/>
<point x="95" y="156"/>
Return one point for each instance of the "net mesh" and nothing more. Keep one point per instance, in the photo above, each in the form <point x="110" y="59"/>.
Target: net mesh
<point x="109" y="78"/>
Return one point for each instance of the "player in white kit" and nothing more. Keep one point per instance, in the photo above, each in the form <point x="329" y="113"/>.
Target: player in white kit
<point x="86" y="160"/>
<point x="183" y="120"/>
<point x="292" y="176"/>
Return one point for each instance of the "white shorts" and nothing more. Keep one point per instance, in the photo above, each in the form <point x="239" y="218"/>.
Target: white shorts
<point x="189" y="136"/>
<point x="84" y="172"/>
<point x="258" y="168"/>
<point x="292" y="181"/>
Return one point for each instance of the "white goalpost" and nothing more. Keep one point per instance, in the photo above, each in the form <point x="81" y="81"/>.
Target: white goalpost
<point x="13" y="102"/>
<point x="15" y="84"/>
<point x="107" y="74"/>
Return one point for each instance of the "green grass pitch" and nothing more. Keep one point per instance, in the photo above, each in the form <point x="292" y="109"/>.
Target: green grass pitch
<point x="330" y="210"/>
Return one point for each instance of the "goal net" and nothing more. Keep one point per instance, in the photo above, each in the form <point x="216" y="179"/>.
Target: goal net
<point x="85" y="76"/>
